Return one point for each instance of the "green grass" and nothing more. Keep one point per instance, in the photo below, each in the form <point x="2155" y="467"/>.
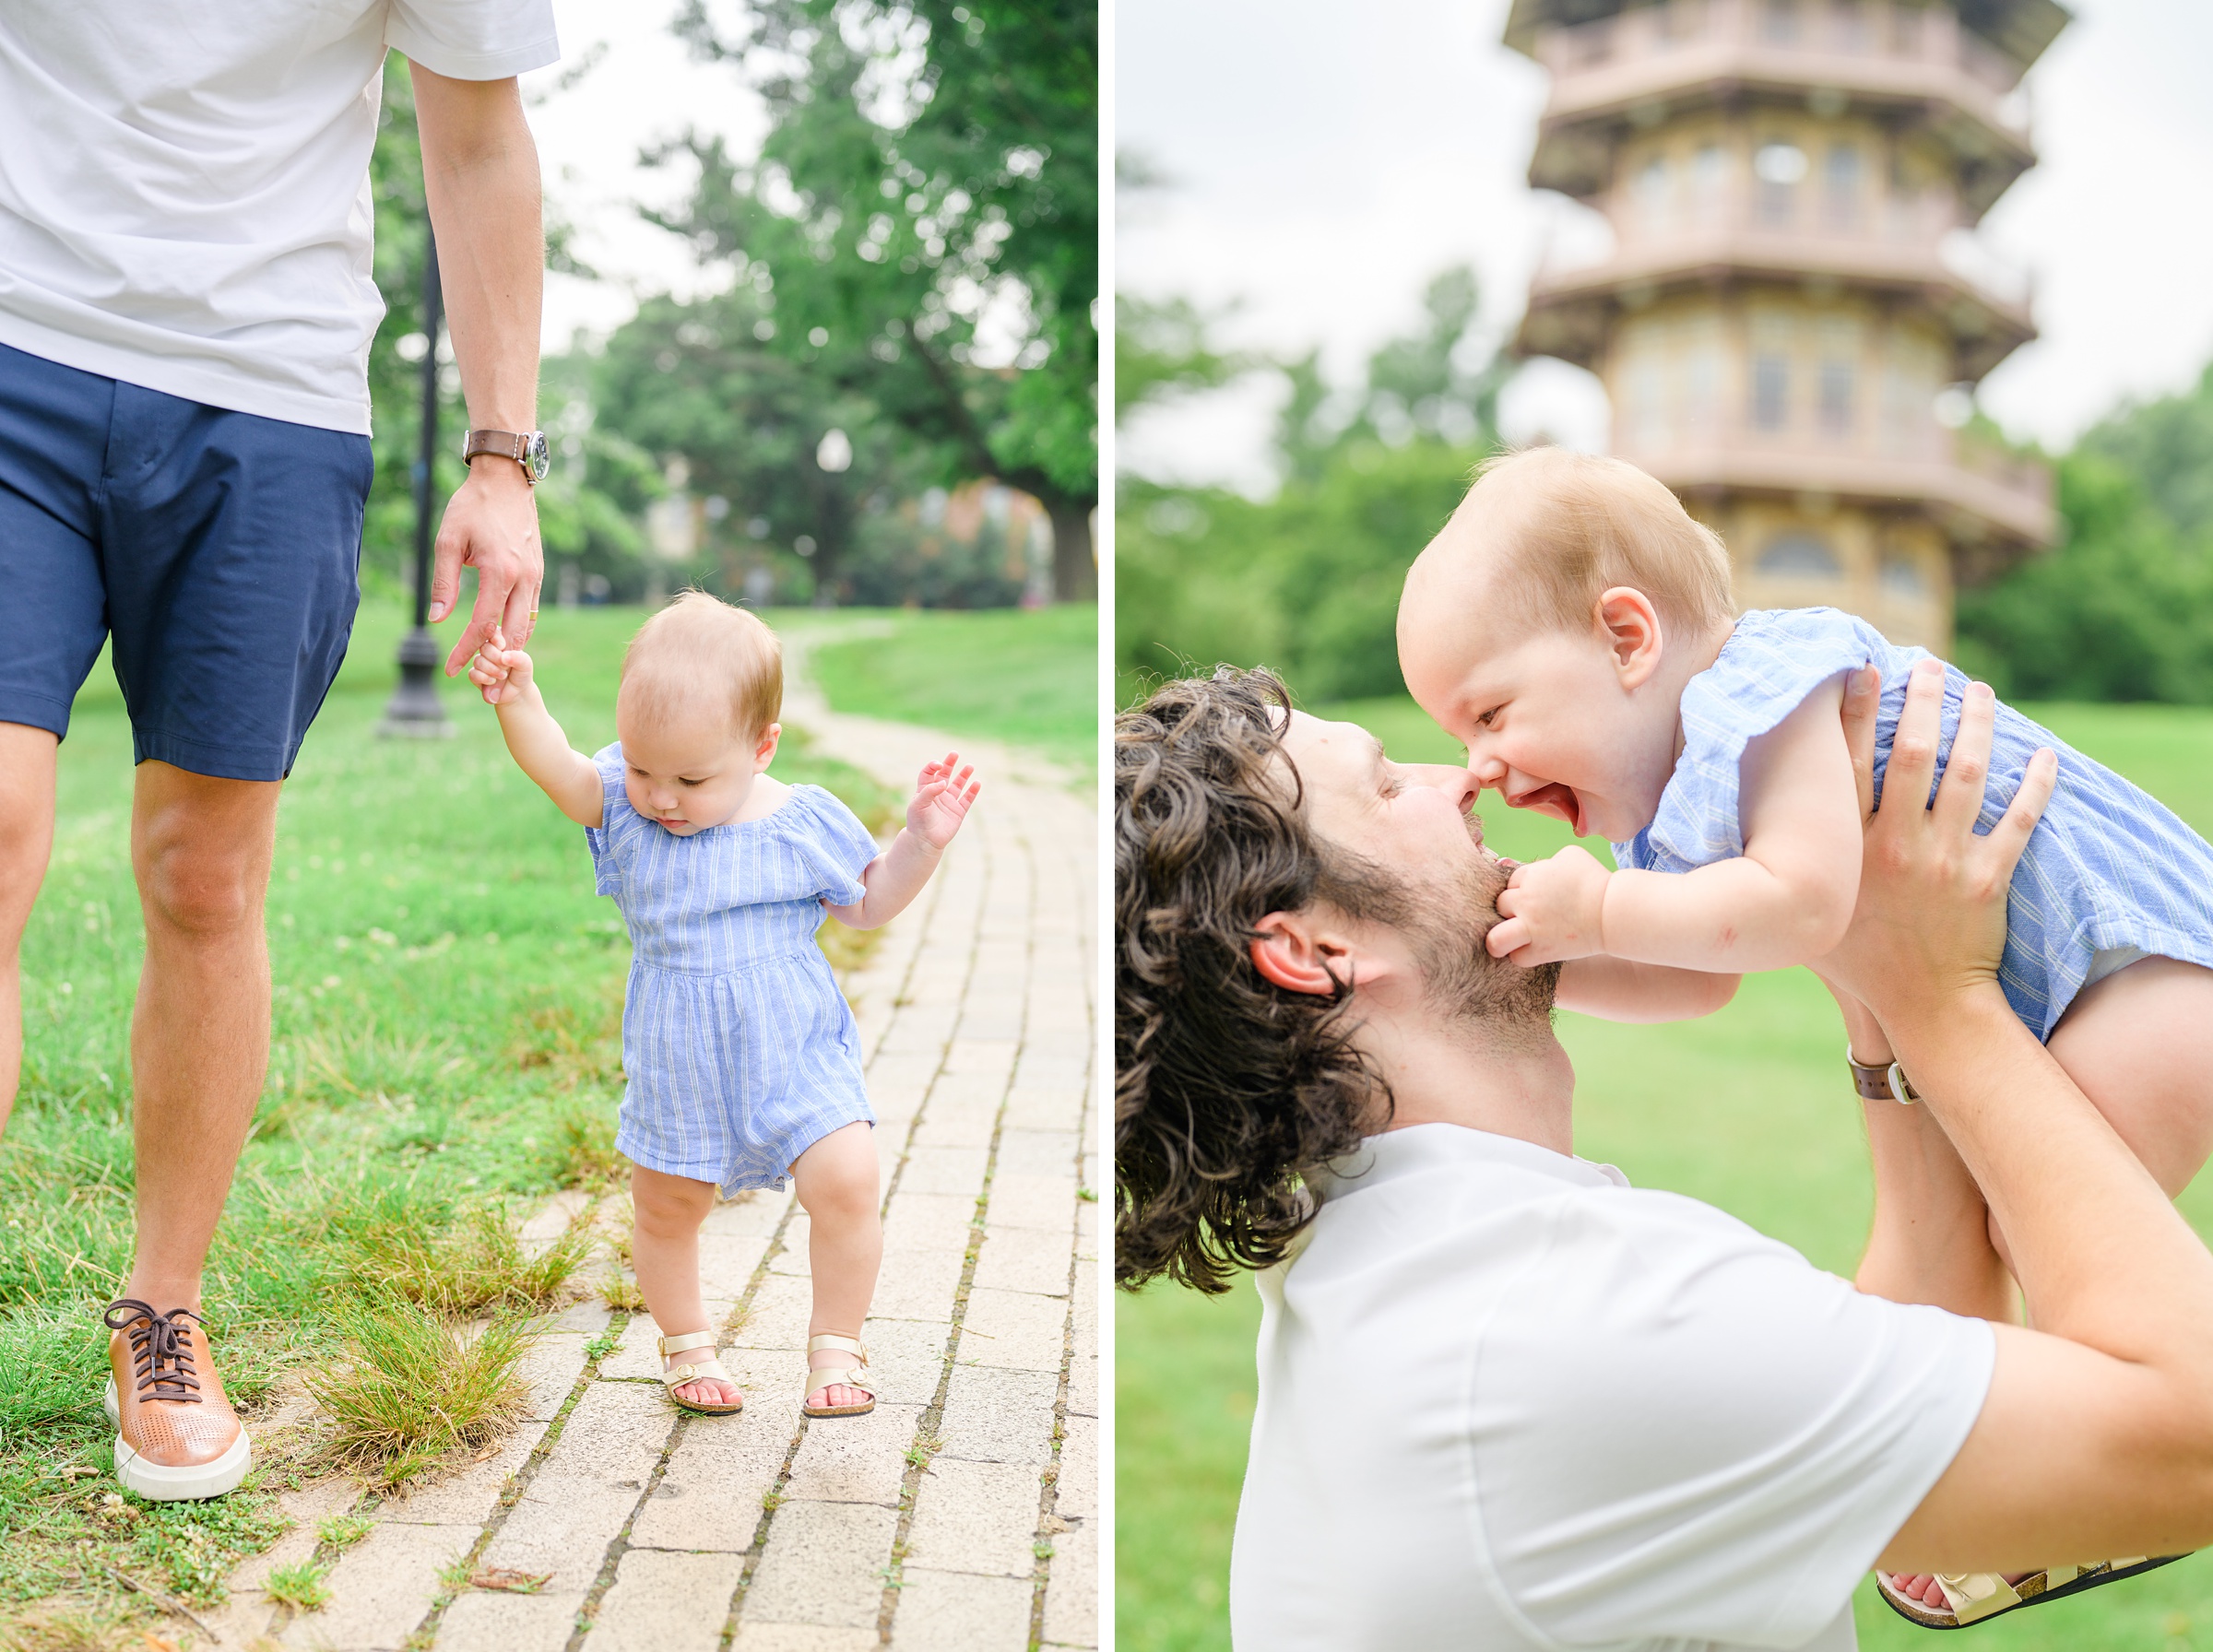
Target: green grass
<point x="1026" y="677"/>
<point x="446" y="1038"/>
<point x="1747" y="1110"/>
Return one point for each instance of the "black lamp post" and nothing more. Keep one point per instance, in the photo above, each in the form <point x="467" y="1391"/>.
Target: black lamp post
<point x="416" y="710"/>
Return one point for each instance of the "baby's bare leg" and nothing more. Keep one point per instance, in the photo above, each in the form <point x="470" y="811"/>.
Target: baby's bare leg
<point x="663" y="1250"/>
<point x="2140" y="1044"/>
<point x="838" y="1186"/>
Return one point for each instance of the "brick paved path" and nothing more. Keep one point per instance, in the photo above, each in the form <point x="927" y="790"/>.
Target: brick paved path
<point x="962" y="1514"/>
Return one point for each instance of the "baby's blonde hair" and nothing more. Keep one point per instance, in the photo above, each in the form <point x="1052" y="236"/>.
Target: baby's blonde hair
<point x="700" y="653"/>
<point x="1557" y="528"/>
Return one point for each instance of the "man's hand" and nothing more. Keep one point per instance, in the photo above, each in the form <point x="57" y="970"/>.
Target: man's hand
<point x="1930" y="921"/>
<point x="1552" y="909"/>
<point x="491" y="525"/>
<point x="942" y="794"/>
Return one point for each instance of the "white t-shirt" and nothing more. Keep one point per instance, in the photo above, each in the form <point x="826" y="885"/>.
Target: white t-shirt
<point x="185" y="188"/>
<point x="1640" y="1424"/>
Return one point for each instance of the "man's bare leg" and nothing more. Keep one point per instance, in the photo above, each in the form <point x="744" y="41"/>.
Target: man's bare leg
<point x="26" y="842"/>
<point x="200" y="1034"/>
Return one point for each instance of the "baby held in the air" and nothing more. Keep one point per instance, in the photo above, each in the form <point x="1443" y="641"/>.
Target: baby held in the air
<point x="1573" y="627"/>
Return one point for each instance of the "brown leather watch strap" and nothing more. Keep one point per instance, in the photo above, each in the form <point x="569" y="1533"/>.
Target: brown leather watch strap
<point x="1885" y="1083"/>
<point x="508" y="444"/>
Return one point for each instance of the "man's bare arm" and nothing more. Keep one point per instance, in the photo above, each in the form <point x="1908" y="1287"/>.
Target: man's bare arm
<point x="480" y="172"/>
<point x="2096" y="1440"/>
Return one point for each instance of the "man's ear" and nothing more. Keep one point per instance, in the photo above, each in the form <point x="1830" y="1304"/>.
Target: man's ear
<point x="1291" y="950"/>
<point x="1629" y="626"/>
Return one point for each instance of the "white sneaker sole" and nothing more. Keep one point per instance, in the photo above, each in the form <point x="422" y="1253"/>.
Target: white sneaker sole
<point x="158" y="1482"/>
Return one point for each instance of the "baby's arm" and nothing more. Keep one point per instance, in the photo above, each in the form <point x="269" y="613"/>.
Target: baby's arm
<point x="1788" y="898"/>
<point x="942" y="794"/>
<point x="1613" y="989"/>
<point x="534" y="739"/>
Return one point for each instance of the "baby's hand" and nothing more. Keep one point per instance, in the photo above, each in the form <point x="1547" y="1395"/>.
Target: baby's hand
<point x="500" y="672"/>
<point x="942" y="794"/>
<point x="1550" y="910"/>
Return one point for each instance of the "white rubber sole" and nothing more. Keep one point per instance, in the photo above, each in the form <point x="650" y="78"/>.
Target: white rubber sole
<point x="158" y="1482"/>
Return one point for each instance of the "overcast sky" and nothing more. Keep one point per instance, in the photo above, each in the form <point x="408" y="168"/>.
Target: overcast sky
<point x="641" y="88"/>
<point x="1326" y="158"/>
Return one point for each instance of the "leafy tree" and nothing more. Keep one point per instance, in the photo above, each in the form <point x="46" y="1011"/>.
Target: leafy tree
<point x="1309" y="581"/>
<point x="929" y="184"/>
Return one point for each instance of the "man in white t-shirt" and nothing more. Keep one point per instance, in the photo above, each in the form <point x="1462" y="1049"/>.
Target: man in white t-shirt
<point x="1507" y="1401"/>
<point x="185" y="312"/>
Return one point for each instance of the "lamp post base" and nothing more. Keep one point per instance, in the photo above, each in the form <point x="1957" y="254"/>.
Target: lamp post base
<point x="415" y="711"/>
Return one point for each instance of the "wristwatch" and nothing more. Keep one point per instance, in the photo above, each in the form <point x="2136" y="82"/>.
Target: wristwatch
<point x="526" y="448"/>
<point x="1880" y="1083"/>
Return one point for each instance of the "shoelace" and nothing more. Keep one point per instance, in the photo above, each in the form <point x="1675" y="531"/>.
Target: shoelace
<point x="160" y="1349"/>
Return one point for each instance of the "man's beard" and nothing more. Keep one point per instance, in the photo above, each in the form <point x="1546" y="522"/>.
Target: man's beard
<point x="1445" y="926"/>
<point x="1462" y="980"/>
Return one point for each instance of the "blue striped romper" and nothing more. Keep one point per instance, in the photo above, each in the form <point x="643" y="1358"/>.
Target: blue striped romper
<point x="740" y="1049"/>
<point x="2110" y="875"/>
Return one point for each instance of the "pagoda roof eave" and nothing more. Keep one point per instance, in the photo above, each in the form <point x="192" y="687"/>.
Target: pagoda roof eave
<point x="1971" y="503"/>
<point x="1587" y="116"/>
<point x="1572" y="312"/>
<point x="2021" y="29"/>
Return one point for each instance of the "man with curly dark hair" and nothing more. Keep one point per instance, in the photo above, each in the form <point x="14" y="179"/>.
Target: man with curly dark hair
<point x="1508" y="1402"/>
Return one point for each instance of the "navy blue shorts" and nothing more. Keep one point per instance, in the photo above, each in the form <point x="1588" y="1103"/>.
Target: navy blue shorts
<point x="222" y="550"/>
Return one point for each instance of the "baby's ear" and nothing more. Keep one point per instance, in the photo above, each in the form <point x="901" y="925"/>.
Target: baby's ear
<point x="764" y="751"/>
<point x="1629" y="624"/>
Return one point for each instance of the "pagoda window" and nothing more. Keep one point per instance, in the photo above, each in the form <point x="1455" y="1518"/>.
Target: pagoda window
<point x="1841" y="173"/>
<point x="1835" y="390"/>
<point x="1709" y="182"/>
<point x="1779" y="166"/>
<point x="1847" y="24"/>
<point x="1654" y="189"/>
<point x="1701" y="375"/>
<point x="1778" y="21"/>
<point x="1770" y="390"/>
<point x="1901" y="576"/>
<point x="1799" y="556"/>
<point x="1905" y="28"/>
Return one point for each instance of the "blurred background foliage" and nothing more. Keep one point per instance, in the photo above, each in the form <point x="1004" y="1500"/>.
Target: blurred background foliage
<point x="1307" y="581"/>
<point x="895" y="342"/>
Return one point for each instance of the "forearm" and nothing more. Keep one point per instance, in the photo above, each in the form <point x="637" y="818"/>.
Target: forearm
<point x="1615" y="989"/>
<point x="480" y="174"/>
<point x="1732" y="918"/>
<point x="893" y="880"/>
<point x="1929" y="1239"/>
<point x="2104" y="1258"/>
<point x="541" y="750"/>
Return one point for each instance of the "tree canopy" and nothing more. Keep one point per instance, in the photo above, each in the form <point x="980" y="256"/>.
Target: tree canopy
<point x="920" y="228"/>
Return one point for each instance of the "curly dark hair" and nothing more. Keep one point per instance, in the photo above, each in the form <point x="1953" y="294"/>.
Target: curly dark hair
<point x="1228" y="1088"/>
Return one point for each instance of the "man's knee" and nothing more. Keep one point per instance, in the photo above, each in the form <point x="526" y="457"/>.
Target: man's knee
<point x="202" y="850"/>
<point x="202" y="889"/>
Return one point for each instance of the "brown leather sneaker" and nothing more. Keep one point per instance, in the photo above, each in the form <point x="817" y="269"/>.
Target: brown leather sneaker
<point x="176" y="1436"/>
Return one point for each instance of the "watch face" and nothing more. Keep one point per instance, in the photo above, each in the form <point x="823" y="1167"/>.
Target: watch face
<point x="540" y="456"/>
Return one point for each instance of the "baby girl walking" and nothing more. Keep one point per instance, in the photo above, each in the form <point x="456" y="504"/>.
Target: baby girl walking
<point x="743" y="1061"/>
<point x="1574" y="628"/>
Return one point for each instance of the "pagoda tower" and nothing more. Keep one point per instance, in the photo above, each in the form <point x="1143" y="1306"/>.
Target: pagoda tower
<point x="1792" y="287"/>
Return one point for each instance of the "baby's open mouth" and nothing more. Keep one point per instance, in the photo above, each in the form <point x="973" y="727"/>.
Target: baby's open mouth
<point x="1556" y="800"/>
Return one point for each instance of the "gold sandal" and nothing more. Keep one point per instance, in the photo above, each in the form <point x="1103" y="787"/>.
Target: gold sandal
<point x="830" y="1376"/>
<point x="1976" y="1596"/>
<point x="689" y="1372"/>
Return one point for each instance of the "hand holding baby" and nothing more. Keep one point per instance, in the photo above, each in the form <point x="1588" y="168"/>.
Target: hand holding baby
<point x="1552" y="910"/>
<point x="942" y="793"/>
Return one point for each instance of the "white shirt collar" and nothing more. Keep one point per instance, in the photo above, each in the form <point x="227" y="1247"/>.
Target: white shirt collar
<point x="1382" y="1159"/>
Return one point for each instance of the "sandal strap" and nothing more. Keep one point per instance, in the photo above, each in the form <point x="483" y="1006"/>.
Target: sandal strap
<point x="831" y="1376"/>
<point x="1973" y="1595"/>
<point x="843" y="1344"/>
<point x="685" y="1343"/>
<point x="676" y="1376"/>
